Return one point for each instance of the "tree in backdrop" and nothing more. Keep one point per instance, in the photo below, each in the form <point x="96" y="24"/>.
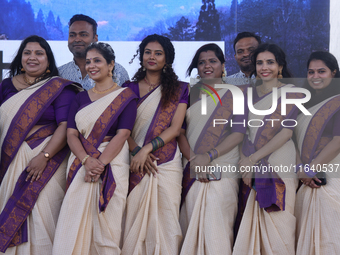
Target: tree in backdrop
<point x="17" y="21"/>
<point x="40" y="25"/>
<point x="54" y="28"/>
<point x="182" y="31"/>
<point x="208" y="25"/>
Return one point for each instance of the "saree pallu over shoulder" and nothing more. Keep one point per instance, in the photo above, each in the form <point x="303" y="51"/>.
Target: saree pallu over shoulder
<point x="313" y="142"/>
<point x="210" y="136"/>
<point x="13" y="225"/>
<point x="160" y="122"/>
<point x="27" y="116"/>
<point x="95" y="138"/>
<point x="269" y="186"/>
<point x="317" y="210"/>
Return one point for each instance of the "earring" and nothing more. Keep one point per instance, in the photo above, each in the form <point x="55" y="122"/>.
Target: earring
<point x="144" y="69"/>
<point x="110" y="73"/>
<point x="48" y="71"/>
<point x="22" y="70"/>
<point x="164" y="69"/>
<point x="280" y="75"/>
<point x="198" y="77"/>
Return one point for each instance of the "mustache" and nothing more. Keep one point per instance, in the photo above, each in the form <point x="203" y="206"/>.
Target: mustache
<point x="78" y="44"/>
<point x="245" y="58"/>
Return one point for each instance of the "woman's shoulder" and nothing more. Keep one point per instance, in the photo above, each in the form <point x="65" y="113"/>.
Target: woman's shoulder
<point x="6" y="82"/>
<point x="129" y="84"/>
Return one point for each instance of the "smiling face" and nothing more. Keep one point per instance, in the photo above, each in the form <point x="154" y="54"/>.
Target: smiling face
<point x="80" y="37"/>
<point x="243" y="50"/>
<point x="209" y="66"/>
<point x="154" y="57"/>
<point x="96" y="66"/>
<point x="319" y="76"/>
<point x="266" y="66"/>
<point x="34" y="59"/>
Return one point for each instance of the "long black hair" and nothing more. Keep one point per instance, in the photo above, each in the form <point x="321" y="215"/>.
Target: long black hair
<point x="16" y="66"/>
<point x="333" y="88"/>
<point x="169" y="79"/>
<point x="280" y="58"/>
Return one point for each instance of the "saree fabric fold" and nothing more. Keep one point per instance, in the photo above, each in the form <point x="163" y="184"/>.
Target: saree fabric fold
<point x="209" y="209"/>
<point x="318" y="210"/>
<point x="91" y="214"/>
<point x="29" y="211"/>
<point x="268" y="222"/>
<point x="152" y="212"/>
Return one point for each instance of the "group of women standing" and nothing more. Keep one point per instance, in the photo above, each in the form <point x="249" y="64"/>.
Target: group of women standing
<point x="123" y="189"/>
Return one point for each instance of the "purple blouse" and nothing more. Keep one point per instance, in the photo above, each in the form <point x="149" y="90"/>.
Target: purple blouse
<point x="135" y="88"/>
<point x="56" y="112"/>
<point x="126" y="119"/>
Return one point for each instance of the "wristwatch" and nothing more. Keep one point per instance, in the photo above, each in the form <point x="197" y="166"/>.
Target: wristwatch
<point x="46" y="154"/>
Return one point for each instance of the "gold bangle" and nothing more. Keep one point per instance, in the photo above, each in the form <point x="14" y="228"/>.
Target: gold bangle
<point x="218" y="153"/>
<point x="251" y="160"/>
<point x="84" y="159"/>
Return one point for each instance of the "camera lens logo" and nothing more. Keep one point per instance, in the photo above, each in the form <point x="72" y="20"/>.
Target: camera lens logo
<point x="204" y="98"/>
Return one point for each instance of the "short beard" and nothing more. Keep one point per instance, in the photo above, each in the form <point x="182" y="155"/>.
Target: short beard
<point x="79" y="54"/>
<point x="247" y="69"/>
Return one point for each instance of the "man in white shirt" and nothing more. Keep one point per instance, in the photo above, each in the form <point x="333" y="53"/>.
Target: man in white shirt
<point x="244" y="44"/>
<point x="82" y="32"/>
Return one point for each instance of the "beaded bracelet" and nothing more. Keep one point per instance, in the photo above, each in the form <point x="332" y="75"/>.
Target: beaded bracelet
<point x="84" y="159"/>
<point x="135" y="150"/>
<point x="157" y="143"/>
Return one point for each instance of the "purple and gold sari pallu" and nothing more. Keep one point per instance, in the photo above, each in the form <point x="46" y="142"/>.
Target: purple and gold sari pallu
<point x="161" y="121"/>
<point x="209" y="209"/>
<point x="268" y="221"/>
<point x="96" y="137"/>
<point x="210" y="137"/>
<point x="151" y="225"/>
<point x="317" y="210"/>
<point x="13" y="225"/>
<point x="91" y="215"/>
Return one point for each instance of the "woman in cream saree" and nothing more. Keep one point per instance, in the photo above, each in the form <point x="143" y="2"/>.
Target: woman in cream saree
<point x="99" y="124"/>
<point x="33" y="152"/>
<point x="209" y="207"/>
<point x="318" y="138"/>
<point x="268" y="222"/>
<point x="152" y="212"/>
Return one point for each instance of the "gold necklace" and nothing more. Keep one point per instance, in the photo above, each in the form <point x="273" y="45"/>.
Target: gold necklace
<point x="32" y="82"/>
<point x="151" y="86"/>
<point x="104" y="91"/>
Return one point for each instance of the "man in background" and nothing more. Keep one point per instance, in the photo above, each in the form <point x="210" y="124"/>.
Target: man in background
<point x="244" y="45"/>
<point x="83" y="32"/>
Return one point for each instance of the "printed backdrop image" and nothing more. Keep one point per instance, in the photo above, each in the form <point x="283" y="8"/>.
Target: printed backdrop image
<point x="298" y="26"/>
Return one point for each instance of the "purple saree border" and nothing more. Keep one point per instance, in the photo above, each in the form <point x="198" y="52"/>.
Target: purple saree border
<point x="307" y="152"/>
<point x="95" y="138"/>
<point x="270" y="188"/>
<point x="168" y="151"/>
<point x="187" y="181"/>
<point x="17" y="127"/>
